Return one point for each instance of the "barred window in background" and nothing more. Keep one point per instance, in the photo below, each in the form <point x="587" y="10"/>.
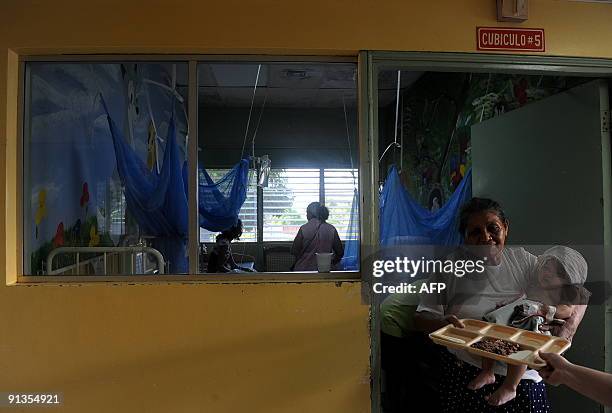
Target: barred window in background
<point x="285" y="201"/>
<point x="340" y="188"/>
<point x="286" y="198"/>
<point x="290" y="192"/>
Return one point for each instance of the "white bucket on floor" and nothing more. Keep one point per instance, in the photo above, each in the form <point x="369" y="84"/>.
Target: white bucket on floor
<point x="324" y="260"/>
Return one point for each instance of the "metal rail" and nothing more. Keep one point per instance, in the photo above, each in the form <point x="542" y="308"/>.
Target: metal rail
<point x="104" y="250"/>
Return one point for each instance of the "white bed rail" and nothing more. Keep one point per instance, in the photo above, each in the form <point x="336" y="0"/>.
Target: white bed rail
<point x="131" y="250"/>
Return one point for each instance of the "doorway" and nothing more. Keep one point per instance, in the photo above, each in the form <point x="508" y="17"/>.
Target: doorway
<point x="516" y="124"/>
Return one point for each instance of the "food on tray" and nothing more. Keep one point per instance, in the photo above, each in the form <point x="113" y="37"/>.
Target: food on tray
<point x="506" y="344"/>
<point x="496" y="346"/>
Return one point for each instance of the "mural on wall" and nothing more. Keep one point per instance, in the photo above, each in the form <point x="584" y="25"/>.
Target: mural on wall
<point x="76" y="197"/>
<point x="437" y="112"/>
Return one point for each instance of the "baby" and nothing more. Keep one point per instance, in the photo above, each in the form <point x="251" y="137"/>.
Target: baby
<point x="555" y="289"/>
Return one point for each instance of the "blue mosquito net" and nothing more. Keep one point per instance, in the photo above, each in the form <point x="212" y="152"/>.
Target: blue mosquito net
<point x="404" y="222"/>
<point x="158" y="201"/>
<point x="350" y="261"/>
<point x="220" y="202"/>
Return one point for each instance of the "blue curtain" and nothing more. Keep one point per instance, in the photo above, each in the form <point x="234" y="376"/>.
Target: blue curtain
<point x="404" y="222"/>
<point x="219" y="202"/>
<point x="158" y="202"/>
<point x="350" y="261"/>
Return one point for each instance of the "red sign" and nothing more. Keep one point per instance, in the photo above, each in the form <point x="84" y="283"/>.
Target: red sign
<point x="506" y="38"/>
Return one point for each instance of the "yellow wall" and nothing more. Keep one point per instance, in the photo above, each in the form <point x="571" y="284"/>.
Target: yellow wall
<point x="188" y="347"/>
<point x="216" y="347"/>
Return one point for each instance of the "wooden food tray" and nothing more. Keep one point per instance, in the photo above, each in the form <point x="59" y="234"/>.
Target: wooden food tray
<point x="530" y="343"/>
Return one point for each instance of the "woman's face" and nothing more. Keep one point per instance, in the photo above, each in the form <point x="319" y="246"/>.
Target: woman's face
<point x="486" y="229"/>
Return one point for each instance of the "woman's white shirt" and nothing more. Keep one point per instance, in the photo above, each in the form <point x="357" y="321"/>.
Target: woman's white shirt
<point x="474" y="295"/>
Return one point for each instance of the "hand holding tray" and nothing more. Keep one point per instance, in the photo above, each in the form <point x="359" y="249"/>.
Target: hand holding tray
<point x="529" y="343"/>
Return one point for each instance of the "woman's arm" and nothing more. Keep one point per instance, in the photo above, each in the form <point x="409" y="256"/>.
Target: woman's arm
<point x="429" y="322"/>
<point x="431" y="313"/>
<point x="337" y="247"/>
<point x="568" y="329"/>
<point x="593" y="384"/>
<point x="296" y="248"/>
<point x="561" y="311"/>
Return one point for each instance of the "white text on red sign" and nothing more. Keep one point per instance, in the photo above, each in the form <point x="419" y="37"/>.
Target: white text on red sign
<point x="500" y="38"/>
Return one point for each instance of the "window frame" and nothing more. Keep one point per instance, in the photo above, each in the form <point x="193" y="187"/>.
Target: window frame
<point x="23" y="207"/>
<point x="368" y="65"/>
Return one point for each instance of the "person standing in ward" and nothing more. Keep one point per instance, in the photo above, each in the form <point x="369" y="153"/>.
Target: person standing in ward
<point x="316" y="236"/>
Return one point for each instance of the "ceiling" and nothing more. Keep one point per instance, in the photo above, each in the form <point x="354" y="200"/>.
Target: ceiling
<point x="290" y="85"/>
<point x="281" y="85"/>
<point x="387" y="84"/>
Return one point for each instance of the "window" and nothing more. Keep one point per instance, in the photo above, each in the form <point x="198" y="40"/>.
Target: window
<point x="107" y="153"/>
<point x="340" y="186"/>
<point x="285" y="201"/>
<point x="290" y="192"/>
<point x="90" y="187"/>
<point x="303" y="117"/>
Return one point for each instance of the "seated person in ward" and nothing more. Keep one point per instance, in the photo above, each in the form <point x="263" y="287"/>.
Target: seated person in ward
<point x="555" y="289"/>
<point x="221" y="259"/>
<point x="316" y="236"/>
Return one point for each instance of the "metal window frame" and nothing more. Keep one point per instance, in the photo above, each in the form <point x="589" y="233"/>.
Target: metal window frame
<point x="453" y="62"/>
<point x="192" y="61"/>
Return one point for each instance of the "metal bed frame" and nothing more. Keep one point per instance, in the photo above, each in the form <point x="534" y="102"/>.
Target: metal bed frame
<point x="131" y="250"/>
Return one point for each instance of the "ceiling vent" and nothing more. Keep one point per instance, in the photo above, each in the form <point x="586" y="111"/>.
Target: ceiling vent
<point x="297" y="74"/>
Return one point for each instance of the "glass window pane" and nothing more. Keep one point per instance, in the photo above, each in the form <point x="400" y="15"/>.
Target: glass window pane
<point x="285" y="201"/>
<point x="89" y="185"/>
<point x="303" y="117"/>
<point x="340" y="187"/>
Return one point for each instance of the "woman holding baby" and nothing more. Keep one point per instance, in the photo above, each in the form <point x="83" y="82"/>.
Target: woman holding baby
<point x="551" y="282"/>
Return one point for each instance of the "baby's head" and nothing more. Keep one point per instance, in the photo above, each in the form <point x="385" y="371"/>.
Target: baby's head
<point x="561" y="268"/>
<point x="551" y="273"/>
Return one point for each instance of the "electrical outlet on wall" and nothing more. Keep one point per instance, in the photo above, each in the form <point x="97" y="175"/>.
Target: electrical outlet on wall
<point x="512" y="10"/>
